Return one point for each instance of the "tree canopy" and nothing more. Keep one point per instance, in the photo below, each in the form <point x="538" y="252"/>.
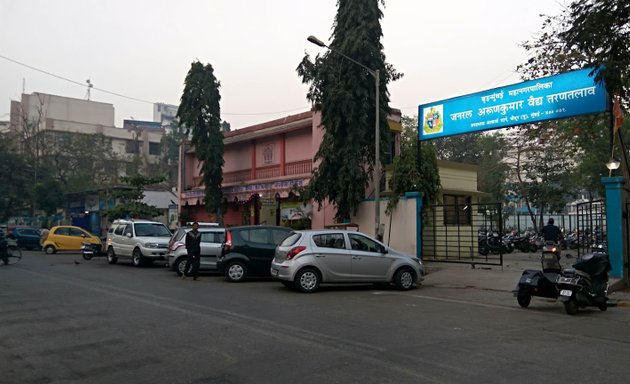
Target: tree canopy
<point x="412" y="173"/>
<point x="345" y="94"/>
<point x="586" y="34"/>
<point x="199" y="111"/>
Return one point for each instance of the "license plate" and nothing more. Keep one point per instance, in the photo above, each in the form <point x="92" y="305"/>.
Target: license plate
<point x="274" y="272"/>
<point x="566" y="292"/>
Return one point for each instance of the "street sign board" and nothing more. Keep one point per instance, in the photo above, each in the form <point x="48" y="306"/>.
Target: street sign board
<point x="555" y="97"/>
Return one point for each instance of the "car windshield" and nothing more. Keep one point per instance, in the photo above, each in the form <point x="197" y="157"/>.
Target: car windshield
<point x="152" y="230"/>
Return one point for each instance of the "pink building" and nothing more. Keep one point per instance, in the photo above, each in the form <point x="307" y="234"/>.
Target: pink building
<point x="264" y="165"/>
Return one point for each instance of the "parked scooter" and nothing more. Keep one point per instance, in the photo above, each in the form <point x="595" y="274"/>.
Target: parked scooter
<point x="586" y="284"/>
<point x="540" y="283"/>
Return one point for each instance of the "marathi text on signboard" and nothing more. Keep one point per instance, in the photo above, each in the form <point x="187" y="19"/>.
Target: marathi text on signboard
<point x="555" y="97"/>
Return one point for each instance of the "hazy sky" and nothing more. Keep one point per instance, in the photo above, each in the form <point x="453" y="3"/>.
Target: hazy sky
<point x="142" y="49"/>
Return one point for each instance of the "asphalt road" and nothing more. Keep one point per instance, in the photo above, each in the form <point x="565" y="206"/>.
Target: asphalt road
<point x="63" y="322"/>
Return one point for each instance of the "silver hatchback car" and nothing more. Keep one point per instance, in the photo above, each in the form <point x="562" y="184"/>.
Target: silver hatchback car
<point x="212" y="239"/>
<point x="308" y="258"/>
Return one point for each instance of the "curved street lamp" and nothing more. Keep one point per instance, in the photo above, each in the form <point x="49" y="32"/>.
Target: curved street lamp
<point x="377" y="133"/>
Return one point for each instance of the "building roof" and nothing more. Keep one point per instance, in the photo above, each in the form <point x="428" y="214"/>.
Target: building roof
<point x="159" y="199"/>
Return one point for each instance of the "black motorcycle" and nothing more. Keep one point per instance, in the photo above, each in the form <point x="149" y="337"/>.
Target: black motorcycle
<point x="540" y="283"/>
<point x="89" y="250"/>
<point x="586" y="284"/>
<point x="493" y="243"/>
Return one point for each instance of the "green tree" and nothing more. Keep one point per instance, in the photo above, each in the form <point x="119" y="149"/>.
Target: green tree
<point x="129" y="198"/>
<point x="411" y="174"/>
<point x="459" y="148"/>
<point x="344" y="92"/>
<point x="599" y="31"/>
<point x="542" y="163"/>
<point x="171" y="140"/>
<point x="493" y="171"/>
<point x="485" y="150"/>
<point x="199" y="112"/>
<point x="16" y="176"/>
<point x="80" y="162"/>
<point x="586" y="34"/>
<point x="49" y="195"/>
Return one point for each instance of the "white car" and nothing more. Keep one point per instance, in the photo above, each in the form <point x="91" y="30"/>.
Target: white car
<point x="141" y="241"/>
<point x="306" y="259"/>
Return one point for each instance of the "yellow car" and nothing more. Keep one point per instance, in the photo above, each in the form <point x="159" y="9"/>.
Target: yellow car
<point x="67" y="238"/>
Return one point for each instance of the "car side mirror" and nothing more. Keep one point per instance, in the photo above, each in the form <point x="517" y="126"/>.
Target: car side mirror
<point x="128" y="234"/>
<point x="383" y="250"/>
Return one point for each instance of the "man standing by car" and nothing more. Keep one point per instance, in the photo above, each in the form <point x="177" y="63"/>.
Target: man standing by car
<point x="193" y="251"/>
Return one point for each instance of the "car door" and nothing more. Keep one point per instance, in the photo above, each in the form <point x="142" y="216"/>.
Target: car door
<point x="370" y="262"/>
<point x="260" y="249"/>
<point x="125" y="241"/>
<point x="75" y="239"/>
<point x="33" y="238"/>
<point x="332" y="256"/>
<point x="211" y="243"/>
<point x="62" y="238"/>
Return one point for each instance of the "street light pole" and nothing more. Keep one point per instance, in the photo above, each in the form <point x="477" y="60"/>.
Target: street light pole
<point x="377" y="135"/>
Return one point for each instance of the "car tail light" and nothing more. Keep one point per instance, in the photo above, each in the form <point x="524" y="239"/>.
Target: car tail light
<point x="228" y="242"/>
<point x="294" y="251"/>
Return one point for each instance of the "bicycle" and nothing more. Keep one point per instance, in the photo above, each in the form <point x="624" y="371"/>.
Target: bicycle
<point x="14" y="255"/>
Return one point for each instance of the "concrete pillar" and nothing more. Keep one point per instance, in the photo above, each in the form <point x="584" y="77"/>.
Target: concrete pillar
<point x="615" y="223"/>
<point x="418" y="197"/>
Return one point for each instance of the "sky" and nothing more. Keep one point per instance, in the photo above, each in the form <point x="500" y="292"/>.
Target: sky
<point x="141" y="50"/>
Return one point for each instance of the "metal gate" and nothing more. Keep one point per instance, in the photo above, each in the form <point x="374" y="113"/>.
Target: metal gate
<point x="591" y="226"/>
<point x="463" y="233"/>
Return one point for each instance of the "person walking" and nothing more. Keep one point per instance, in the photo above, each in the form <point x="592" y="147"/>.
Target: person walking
<point x="43" y="235"/>
<point x="193" y="251"/>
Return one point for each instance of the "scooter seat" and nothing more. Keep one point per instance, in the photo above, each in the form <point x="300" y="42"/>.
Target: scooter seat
<point x="552" y="276"/>
<point x="576" y="272"/>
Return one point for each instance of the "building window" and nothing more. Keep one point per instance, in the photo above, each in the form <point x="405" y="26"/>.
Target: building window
<point x="154" y="149"/>
<point x="268" y="154"/>
<point x="131" y="169"/>
<point x="132" y="146"/>
<point x="457" y="210"/>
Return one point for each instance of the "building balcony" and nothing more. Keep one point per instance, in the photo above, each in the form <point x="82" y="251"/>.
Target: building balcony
<point x="297" y="168"/>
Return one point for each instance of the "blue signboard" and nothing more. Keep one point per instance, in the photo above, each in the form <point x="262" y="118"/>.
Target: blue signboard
<point x="554" y="97"/>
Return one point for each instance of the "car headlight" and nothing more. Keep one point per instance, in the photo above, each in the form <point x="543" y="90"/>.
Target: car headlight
<point x="151" y="245"/>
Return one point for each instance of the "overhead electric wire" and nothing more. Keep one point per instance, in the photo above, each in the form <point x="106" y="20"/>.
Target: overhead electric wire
<point x="133" y="98"/>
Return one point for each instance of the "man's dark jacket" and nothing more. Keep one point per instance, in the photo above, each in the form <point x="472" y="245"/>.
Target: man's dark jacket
<point x="193" y="242"/>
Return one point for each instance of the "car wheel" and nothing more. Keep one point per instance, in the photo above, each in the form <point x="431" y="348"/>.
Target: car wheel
<point x="235" y="272"/>
<point x="307" y="280"/>
<point x="403" y="279"/>
<point x="111" y="256"/>
<point x="50" y="249"/>
<point x="136" y="258"/>
<point x="180" y="266"/>
<point x="523" y="297"/>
